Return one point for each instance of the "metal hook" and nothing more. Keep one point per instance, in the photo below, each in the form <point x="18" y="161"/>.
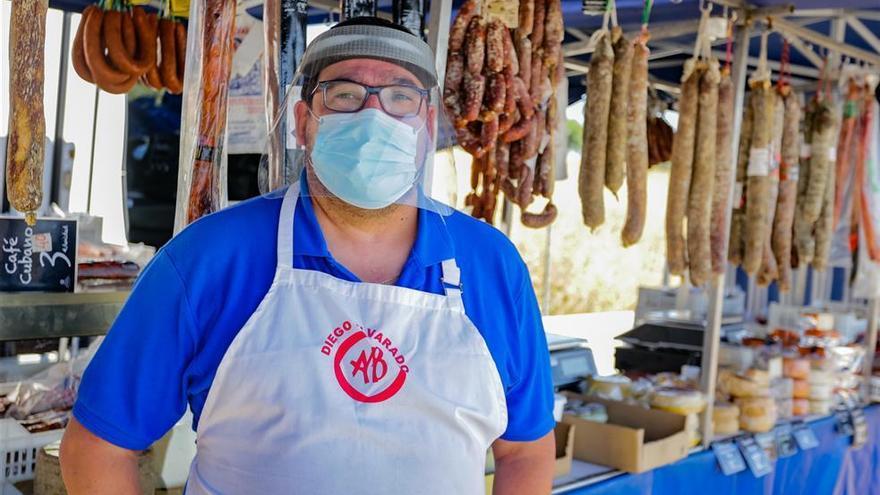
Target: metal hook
<point x="706" y="7"/>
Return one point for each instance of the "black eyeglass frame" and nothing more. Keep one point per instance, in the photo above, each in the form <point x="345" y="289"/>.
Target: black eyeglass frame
<point x="425" y="94"/>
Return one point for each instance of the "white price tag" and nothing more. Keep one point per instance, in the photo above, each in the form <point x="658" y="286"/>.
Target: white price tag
<point x="716" y="28"/>
<point x="832" y="153"/>
<point x="738" y="195"/>
<point x="759" y="162"/>
<point x="794" y="172"/>
<point x="806" y="150"/>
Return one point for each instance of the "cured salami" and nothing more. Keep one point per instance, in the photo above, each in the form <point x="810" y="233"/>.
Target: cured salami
<point x="699" y="211"/>
<point x="636" y="147"/>
<point x="724" y="173"/>
<point x="592" y="172"/>
<point x="680" y="174"/>
<point x="615" y="164"/>
<point x="27" y="122"/>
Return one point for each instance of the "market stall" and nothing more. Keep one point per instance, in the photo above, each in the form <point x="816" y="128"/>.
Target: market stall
<point x="764" y="336"/>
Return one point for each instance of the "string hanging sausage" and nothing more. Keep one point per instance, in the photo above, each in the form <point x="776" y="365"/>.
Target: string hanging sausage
<point x="591" y="180"/>
<point x="615" y="166"/>
<point x="758" y="188"/>
<point x="788" y="185"/>
<point x="27" y="123"/>
<point x="636" y="147"/>
<point x="680" y="173"/>
<point x="699" y="210"/>
<point x="719" y="227"/>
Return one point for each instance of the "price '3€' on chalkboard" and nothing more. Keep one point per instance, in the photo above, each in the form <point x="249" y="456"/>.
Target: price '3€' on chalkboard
<point x="39" y="258"/>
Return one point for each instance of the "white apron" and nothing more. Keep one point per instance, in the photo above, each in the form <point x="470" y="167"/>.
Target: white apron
<point x="336" y="387"/>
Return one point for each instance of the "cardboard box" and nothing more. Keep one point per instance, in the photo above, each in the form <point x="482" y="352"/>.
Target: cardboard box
<point x="635" y="439"/>
<point x="564" y="448"/>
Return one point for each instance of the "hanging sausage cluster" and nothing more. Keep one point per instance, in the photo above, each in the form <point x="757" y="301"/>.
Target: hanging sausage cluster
<point x="115" y="49"/>
<point x="500" y="93"/>
<point x="615" y="130"/>
<point x="692" y="176"/>
<point x="203" y="161"/>
<point x="855" y="203"/>
<point x="784" y="200"/>
<point x="26" y="147"/>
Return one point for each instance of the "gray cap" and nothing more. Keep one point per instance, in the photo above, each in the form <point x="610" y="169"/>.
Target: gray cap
<point x="368" y="40"/>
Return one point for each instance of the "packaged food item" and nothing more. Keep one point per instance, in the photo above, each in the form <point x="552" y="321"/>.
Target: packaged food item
<point x="875" y="388"/>
<point x="590" y="411"/>
<point x="612" y="387"/>
<point x="741" y="386"/>
<point x="782" y="388"/>
<point x="822" y="407"/>
<point x="821" y="377"/>
<point x="758" y="376"/>
<point x="785" y="337"/>
<point x="795" y="367"/>
<point x="678" y="401"/>
<point x="785" y="408"/>
<point x="800" y="389"/>
<point x="725" y="418"/>
<point x="757" y="414"/>
<point x="800" y="407"/>
<point x="821" y="391"/>
<point x="736" y="356"/>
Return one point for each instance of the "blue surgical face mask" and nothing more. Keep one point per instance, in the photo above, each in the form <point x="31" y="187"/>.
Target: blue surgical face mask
<point x="366" y="158"/>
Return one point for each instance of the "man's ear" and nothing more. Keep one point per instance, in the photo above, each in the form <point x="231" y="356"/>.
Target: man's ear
<point x="301" y="117"/>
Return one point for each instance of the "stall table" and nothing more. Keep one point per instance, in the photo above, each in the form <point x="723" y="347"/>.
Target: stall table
<point x="834" y="467"/>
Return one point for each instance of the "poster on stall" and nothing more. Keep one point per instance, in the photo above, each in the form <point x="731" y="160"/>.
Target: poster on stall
<point x="37" y="258"/>
<point x="247" y="116"/>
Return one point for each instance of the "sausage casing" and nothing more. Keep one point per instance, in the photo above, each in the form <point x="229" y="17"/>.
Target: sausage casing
<point x="724" y="174"/>
<point x="27" y="122"/>
<point x="636" y="148"/>
<point x="699" y="212"/>
<point x="615" y="165"/>
<point x="680" y="173"/>
<point x="591" y="181"/>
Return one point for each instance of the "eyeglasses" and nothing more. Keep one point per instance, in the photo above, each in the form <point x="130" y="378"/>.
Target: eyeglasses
<point x="341" y="95"/>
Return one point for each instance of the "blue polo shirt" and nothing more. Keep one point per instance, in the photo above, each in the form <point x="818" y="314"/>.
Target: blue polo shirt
<point x="189" y="303"/>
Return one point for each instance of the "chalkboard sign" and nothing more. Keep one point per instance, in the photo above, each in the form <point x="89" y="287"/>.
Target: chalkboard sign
<point x="39" y="258"/>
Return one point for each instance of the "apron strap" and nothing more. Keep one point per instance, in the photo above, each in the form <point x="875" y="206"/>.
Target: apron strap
<point x="285" y="226"/>
<point x="452" y="282"/>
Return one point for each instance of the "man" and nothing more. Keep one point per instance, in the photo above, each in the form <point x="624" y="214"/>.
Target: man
<point x="348" y="338"/>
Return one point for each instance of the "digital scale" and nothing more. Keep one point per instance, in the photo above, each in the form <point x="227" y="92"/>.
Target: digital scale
<point x="571" y="361"/>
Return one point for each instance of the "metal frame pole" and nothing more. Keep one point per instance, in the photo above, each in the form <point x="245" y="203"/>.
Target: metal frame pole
<point x="58" y="140"/>
<point x="712" y="334"/>
<point x="439" y="20"/>
<point x="870" y="347"/>
<point x="546" y="279"/>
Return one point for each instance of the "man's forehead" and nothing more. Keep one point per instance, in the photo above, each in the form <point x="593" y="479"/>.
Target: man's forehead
<point x="369" y="71"/>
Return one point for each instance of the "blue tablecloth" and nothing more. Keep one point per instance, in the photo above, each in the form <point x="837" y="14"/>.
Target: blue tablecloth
<point x="833" y="468"/>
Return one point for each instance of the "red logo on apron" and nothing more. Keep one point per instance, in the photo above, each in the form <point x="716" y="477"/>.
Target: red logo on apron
<point x="367" y="365"/>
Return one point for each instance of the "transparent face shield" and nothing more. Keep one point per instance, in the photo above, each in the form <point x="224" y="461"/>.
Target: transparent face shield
<point x="359" y="124"/>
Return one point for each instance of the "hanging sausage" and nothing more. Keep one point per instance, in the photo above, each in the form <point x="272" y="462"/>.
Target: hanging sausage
<point x="27" y="122"/>
<point x="499" y="92"/>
